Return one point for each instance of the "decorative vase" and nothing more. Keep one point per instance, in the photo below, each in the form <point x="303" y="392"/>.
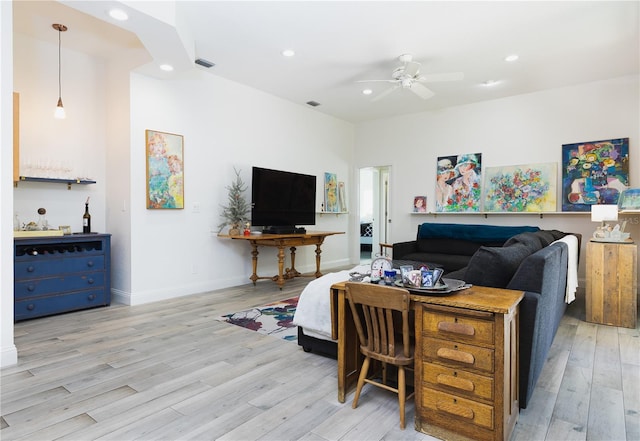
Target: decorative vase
<point x="234" y="230"/>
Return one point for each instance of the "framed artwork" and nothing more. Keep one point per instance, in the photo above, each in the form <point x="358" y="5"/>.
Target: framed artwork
<point x="331" y="193"/>
<point x="165" y="178"/>
<point x="594" y="172"/>
<point x="521" y="188"/>
<point x="342" y="197"/>
<point x="420" y="204"/>
<point x="458" y="181"/>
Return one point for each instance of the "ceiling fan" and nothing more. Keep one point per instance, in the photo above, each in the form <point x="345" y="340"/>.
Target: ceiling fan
<point x="408" y="76"/>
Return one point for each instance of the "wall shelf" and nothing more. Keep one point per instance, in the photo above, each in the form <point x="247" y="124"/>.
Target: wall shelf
<point x="69" y="182"/>
<point x="337" y="213"/>
<point x="503" y="213"/>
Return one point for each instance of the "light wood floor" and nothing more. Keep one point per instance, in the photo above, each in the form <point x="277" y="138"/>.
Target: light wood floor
<point x="170" y="371"/>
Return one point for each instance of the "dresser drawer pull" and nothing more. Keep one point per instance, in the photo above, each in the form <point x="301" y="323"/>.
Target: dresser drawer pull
<point x="90" y="281"/>
<point x="31" y="307"/>
<point x="454" y="408"/>
<point x="30" y="269"/>
<point x="90" y="263"/>
<point x="454" y="381"/>
<point x="92" y="297"/>
<point x="455" y="355"/>
<point x="31" y="288"/>
<point x="456" y="328"/>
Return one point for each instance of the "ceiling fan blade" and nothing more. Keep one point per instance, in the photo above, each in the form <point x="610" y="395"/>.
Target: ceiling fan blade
<point x="434" y="78"/>
<point x="421" y="91"/>
<point x="377" y="81"/>
<point x="411" y="68"/>
<point x="384" y="93"/>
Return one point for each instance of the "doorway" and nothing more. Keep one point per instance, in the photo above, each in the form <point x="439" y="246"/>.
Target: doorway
<point x="373" y="210"/>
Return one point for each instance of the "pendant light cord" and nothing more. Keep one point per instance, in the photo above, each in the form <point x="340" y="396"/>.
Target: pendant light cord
<point x="59" y="65"/>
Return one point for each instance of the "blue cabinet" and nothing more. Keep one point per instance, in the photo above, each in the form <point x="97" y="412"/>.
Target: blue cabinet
<point x="61" y="274"/>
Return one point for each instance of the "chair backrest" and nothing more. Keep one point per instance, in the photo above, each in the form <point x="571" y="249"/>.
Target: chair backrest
<point x="376" y="304"/>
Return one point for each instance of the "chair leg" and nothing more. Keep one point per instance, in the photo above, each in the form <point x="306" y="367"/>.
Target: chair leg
<point x="402" y="393"/>
<point x="363" y="375"/>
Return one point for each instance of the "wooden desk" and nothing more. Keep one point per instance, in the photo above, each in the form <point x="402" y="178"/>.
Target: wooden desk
<point x="454" y="398"/>
<point x="281" y="241"/>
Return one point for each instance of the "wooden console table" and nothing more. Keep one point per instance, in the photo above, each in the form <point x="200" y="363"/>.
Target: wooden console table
<point x="282" y="241"/>
<point x="466" y="360"/>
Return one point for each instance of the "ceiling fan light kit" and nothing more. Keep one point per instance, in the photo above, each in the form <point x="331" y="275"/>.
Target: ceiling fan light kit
<point x="408" y="77"/>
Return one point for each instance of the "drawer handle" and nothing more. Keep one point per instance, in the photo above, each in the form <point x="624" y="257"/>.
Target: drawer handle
<point x="92" y="297"/>
<point x="30" y="269"/>
<point x="455" y="409"/>
<point x="31" y="288"/>
<point x="456" y="328"/>
<point x="31" y="307"/>
<point x="90" y="280"/>
<point x="455" y="355"/>
<point x="454" y="381"/>
<point x="90" y="263"/>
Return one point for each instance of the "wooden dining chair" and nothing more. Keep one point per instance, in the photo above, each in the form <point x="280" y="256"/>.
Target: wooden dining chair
<point x="385" y="336"/>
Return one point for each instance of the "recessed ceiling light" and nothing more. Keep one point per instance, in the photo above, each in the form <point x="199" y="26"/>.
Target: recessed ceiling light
<point x="367" y="92"/>
<point x="118" y="14"/>
<point x="512" y="57"/>
<point x="166" y="67"/>
<point x="490" y="83"/>
<point x="288" y="53"/>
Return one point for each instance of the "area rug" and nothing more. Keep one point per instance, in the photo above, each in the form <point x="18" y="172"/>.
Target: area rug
<point x="275" y="319"/>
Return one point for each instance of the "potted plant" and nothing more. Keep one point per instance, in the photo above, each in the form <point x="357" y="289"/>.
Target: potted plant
<point x="235" y="212"/>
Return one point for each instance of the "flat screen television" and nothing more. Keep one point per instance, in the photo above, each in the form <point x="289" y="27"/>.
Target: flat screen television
<point x="281" y="201"/>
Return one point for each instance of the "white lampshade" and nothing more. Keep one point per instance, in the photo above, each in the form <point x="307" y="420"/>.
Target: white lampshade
<point x="604" y="212"/>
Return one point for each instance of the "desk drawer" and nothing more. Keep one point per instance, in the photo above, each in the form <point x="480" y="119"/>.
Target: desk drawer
<point x="455" y="325"/>
<point x="445" y="406"/>
<point x="43" y="267"/>
<point x="458" y="354"/>
<point x="458" y="381"/>
<point x="52" y="285"/>
<point x="38" y="307"/>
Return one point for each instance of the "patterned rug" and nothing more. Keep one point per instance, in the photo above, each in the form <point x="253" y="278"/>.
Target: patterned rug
<point x="275" y="319"/>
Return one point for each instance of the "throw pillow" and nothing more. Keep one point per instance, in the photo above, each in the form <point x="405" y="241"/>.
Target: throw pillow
<point x="531" y="240"/>
<point x="495" y="266"/>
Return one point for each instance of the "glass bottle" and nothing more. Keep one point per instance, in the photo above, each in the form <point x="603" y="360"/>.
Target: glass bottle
<point x="86" y="219"/>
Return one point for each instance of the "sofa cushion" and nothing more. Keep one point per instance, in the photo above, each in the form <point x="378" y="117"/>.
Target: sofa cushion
<point x="531" y="240"/>
<point x="473" y="233"/>
<point x="495" y="266"/>
<point x="450" y="246"/>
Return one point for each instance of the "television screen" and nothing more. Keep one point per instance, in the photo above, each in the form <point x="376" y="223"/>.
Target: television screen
<point x="282" y="199"/>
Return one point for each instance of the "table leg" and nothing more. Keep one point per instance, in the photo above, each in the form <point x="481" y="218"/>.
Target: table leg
<point x="349" y="356"/>
<point x="254" y="261"/>
<point x="318" y="251"/>
<point x="292" y="272"/>
<point x="280" y="279"/>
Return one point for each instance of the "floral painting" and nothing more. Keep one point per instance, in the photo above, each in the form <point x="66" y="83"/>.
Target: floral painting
<point x="594" y="172"/>
<point x="458" y="183"/>
<point x="331" y="193"/>
<point x="521" y="188"/>
<point x="165" y="180"/>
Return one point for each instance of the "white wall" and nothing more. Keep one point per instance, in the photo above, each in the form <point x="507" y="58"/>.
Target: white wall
<point x="517" y="130"/>
<point x="224" y="125"/>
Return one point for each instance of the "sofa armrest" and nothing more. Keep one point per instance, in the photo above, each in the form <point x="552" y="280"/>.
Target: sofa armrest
<point x="403" y="248"/>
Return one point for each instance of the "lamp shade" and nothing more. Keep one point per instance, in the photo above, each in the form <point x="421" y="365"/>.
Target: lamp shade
<point x="604" y="212"/>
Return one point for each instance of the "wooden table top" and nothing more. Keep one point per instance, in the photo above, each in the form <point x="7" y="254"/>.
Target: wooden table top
<point x="282" y="236"/>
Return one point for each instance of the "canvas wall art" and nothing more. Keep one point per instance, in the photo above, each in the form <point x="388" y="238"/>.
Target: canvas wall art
<point x="458" y="183"/>
<point x="420" y="204"/>
<point x="331" y="193"/>
<point x="165" y="179"/>
<point x="594" y="172"/>
<point x="521" y="188"/>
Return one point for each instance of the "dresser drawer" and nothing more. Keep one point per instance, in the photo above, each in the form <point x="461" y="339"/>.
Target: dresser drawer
<point x="458" y="381"/>
<point x="458" y="354"/>
<point x="43" y="267"/>
<point x="52" y="285"/>
<point x="446" y="406"/>
<point x="455" y="325"/>
<point x="31" y="308"/>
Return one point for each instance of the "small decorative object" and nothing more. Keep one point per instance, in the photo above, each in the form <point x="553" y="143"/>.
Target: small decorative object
<point x="16" y="222"/>
<point x="378" y="266"/>
<point x="593" y="173"/>
<point x="66" y="229"/>
<point x="42" y="220"/>
<point x="235" y="212"/>
<point x="606" y="232"/>
<point x="420" y="204"/>
<point x="247" y="229"/>
<point x="165" y="178"/>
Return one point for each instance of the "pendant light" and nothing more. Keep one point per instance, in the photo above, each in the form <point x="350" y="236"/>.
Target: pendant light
<point x="59" y="114"/>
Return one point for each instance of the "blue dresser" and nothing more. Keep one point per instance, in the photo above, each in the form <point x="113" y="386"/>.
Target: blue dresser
<point x="60" y="274"/>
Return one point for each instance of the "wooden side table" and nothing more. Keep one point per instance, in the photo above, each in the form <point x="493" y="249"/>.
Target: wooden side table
<point x="611" y="291"/>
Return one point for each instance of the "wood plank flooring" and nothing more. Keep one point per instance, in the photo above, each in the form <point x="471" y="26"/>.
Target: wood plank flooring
<point x="170" y="371"/>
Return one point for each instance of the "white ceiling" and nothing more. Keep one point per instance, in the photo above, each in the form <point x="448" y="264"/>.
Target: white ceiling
<point x="337" y="43"/>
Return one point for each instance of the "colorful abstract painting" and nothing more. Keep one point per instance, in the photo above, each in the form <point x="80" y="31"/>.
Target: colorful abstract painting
<point x="165" y="179"/>
<point x="521" y="188"/>
<point x="594" y="172"/>
<point x="331" y="193"/>
<point x="458" y="181"/>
